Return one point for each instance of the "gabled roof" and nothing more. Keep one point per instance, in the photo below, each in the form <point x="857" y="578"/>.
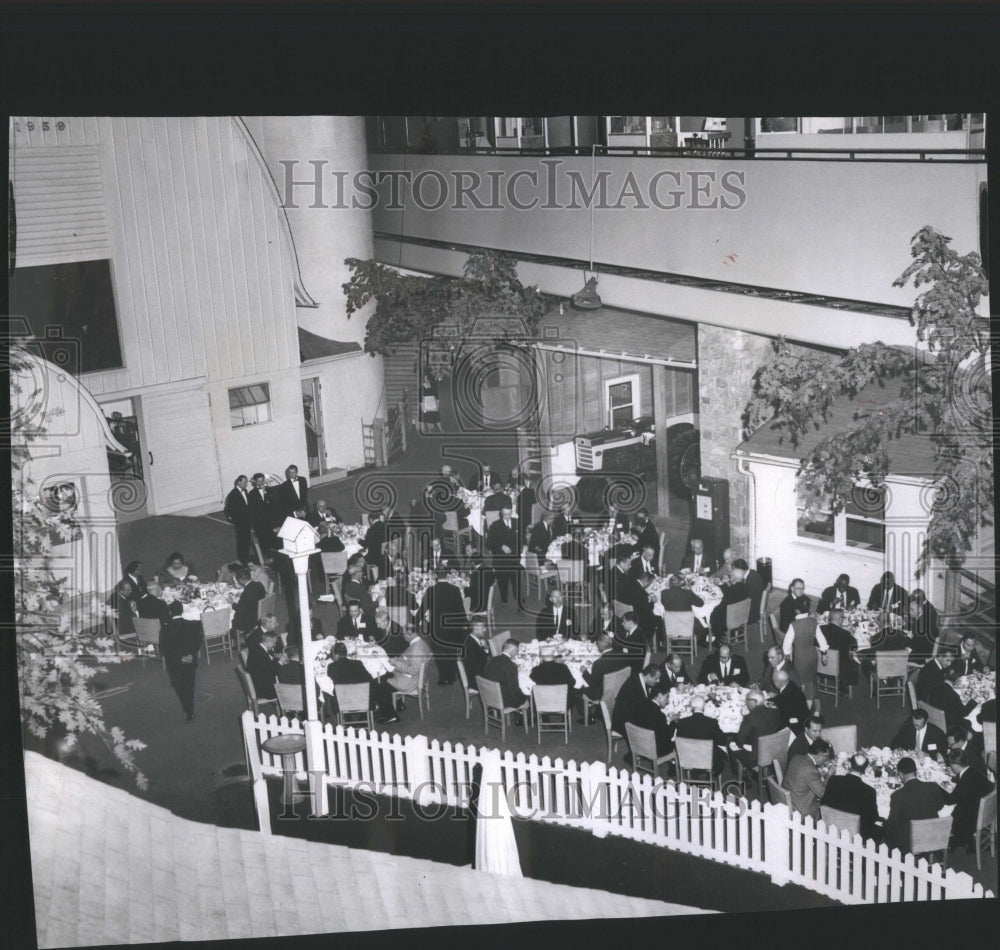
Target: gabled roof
<point x="315" y="347"/>
<point x="110" y="868"/>
<point x="908" y="455"/>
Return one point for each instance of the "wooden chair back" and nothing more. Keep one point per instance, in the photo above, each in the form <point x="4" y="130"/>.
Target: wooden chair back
<point x="613" y="682"/>
<point x="738" y="614"/>
<point x="777" y="794"/>
<point x="678" y="626"/>
<point x="642" y="742"/>
<point x="291" y="697"/>
<point x="844" y="739"/>
<point x="490" y="693"/>
<point x="147" y="632"/>
<point x="774" y="746"/>
<point x="694" y="754"/>
<point x="216" y="626"/>
<point x="990" y="736"/>
<point x="620" y="608"/>
<point x="891" y="663"/>
<point x="400" y="616"/>
<point x="762" y="623"/>
<point x="354" y="702"/>
<point x="551" y="701"/>
<point x="930" y="834"/>
<point x="489" y="517"/>
<point x="265" y="606"/>
<point x="835" y="818"/>
<point x="935" y="716"/>
<point x="497" y="642"/>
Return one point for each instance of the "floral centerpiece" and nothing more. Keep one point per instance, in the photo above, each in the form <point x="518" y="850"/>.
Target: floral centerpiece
<point x="980" y="687"/>
<point x="725" y="703"/>
<point x="883" y="775"/>
<point x="419" y="581"/>
<point x="202" y="597"/>
<point x="349" y="534"/>
<point x="578" y="655"/>
<point x="469" y="498"/>
<point x="864" y="624"/>
<point x="371" y="654"/>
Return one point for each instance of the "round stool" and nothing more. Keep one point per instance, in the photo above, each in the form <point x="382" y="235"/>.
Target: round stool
<point x="287" y="747"/>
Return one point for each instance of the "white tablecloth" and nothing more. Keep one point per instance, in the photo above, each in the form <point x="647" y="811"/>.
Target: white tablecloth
<point x="577" y="655"/>
<point x="883" y="761"/>
<point x="725" y="703"/>
<point x="208" y="595"/>
<point x="708" y="591"/>
<point x="374" y="658"/>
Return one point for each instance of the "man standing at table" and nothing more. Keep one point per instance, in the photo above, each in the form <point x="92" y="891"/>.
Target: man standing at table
<point x="444" y="612"/>
<point x="501" y="542"/>
<point x="293" y="495"/>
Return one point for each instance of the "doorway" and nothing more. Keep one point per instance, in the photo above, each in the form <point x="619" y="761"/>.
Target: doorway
<point x="129" y="490"/>
<point x="312" y="414"/>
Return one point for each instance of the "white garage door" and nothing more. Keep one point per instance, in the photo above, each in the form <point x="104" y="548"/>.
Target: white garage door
<point x="184" y="466"/>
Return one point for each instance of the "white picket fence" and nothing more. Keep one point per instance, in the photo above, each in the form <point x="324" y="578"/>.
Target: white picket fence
<point x="592" y="796"/>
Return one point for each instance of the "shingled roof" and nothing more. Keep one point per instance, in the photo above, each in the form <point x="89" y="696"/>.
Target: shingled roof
<point x="111" y="868"/>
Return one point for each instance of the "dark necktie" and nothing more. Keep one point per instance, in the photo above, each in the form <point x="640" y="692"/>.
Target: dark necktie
<point x="725" y="670"/>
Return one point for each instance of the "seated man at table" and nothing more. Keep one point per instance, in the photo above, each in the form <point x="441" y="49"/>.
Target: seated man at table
<point x="852" y="794"/>
<point x="267" y="624"/>
<point x="697" y="559"/>
<point x="696" y="725"/>
<point x="405" y="675"/>
<point x="555" y="619"/>
<point x="633" y="640"/>
<point x="803" y="743"/>
<point x="292" y="672"/>
<point x="344" y="670"/>
<point x="609" y="661"/>
<point x="921" y="624"/>
<point x="675" y="672"/>
<point x="354" y="585"/>
<point x="625" y="588"/>
<point x="888" y="596"/>
<point x="635" y="690"/>
<point x="502" y="669"/>
<point x="915" y="800"/>
<point x="435" y="560"/>
<point x="733" y="593"/>
<point x="541" y="536"/>
<point x="842" y="642"/>
<point x="354" y="623"/>
<point x="575" y="550"/>
<point x="647" y="713"/>
<point x="262" y="664"/>
<point x="550" y="672"/>
<point x="644" y="566"/>
<point x="760" y="720"/>
<point x="839" y="595"/>
<point x="790" y="701"/>
<point x="943" y="697"/>
<point x="963" y="738"/>
<point x="606" y="623"/>
<point x="916" y="734"/>
<point x="806" y="777"/>
<point x="796" y="604"/>
<point x="476" y="651"/>
<point x="563" y="522"/>
<point x="754" y="586"/>
<point x="245" y="613"/>
<point x="498" y="500"/>
<point x="725" y="667"/>
<point x="388" y="634"/>
<point x="970" y="787"/>
<point x="151" y="605"/>
<point x="933" y="673"/>
<point x="964" y="663"/>
<point x="678" y="598"/>
<point x="776" y="660"/>
<point x="723" y="574"/>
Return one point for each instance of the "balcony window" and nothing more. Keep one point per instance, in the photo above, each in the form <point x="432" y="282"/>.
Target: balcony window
<point x="865" y="519"/>
<point x="249" y="405"/>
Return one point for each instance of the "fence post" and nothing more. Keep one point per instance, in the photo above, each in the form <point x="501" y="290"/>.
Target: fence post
<point x="317" y="767"/>
<point x="418" y="769"/>
<point x="777" y="822"/>
<point x="258" y="783"/>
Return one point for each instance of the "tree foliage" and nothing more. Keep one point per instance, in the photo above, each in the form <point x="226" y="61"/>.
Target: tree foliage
<point x="944" y="393"/>
<point x="57" y="659"/>
<point x="409" y="308"/>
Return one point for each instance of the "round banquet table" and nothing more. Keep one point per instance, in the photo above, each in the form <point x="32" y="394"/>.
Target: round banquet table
<point x="725" y="703"/>
<point x="883" y="776"/>
<point x="376" y="661"/>
<point x="597" y="542"/>
<point x="201" y="597"/>
<point x="578" y="655"/>
<point x="707" y="590"/>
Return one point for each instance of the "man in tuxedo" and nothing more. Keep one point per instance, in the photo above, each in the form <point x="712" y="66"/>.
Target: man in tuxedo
<point x="292" y="672"/>
<point x="180" y="644"/>
<point x="970" y="788"/>
<point x="550" y="672"/>
<point x="324" y="519"/>
<point x="675" y="672"/>
<point x="966" y="662"/>
<point x="502" y="669"/>
<point x="262" y="665"/>
<point x="435" y="560"/>
<point x="633" y="640"/>
<point x="485" y="479"/>
<point x="933" y="673"/>
<point x="647" y="713"/>
<point x="387" y="633"/>
<point x="245" y="615"/>
<point x="915" y="800"/>
<point x="498" y="500"/>
<point x="724" y="667"/>
<point x="647" y="537"/>
<point x="555" y="620"/>
<point x="806" y="778"/>
<point x="481" y="579"/>
<point x="562" y="524"/>
<point x="840" y="594"/>
<point x="796" y="604"/>
<point x="376" y="554"/>
<point x="526" y="500"/>
<point x="606" y="624"/>
<point x="237" y="512"/>
<point x="887" y="595"/>
<point x="803" y="743"/>
<point x="354" y="623"/>
<point x="133" y="574"/>
<point x="475" y="652"/>
<point x="152" y="606"/>
<point x="921" y="624"/>
<point x="609" y="661"/>
<point x="501" y="542"/>
<point x="852" y="794"/>
<point x="697" y="558"/>
<point x="843" y="642"/>
<point x="263" y="512"/>
<point x="541" y="536"/>
<point x="444" y="612"/>
<point x="697" y="725"/>
<point x="644" y="566"/>
<point x="742" y="573"/>
<point x="760" y="720"/>
<point x="916" y="734"/>
<point x="615" y="520"/>
<point x="790" y="701"/>
<point x="776" y="660"/>
<point x="963" y="739"/>
<point x="626" y="589"/>
<point x="635" y="690"/>
<point x="293" y="495"/>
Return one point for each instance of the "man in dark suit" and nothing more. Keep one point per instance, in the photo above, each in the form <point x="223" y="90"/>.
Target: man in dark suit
<point x="388" y="634"/>
<point x="843" y="642"/>
<point x="293" y="495"/>
<point x="481" y="579"/>
<point x="963" y="739"/>
<point x="966" y="662"/>
<point x="245" y="615"/>
<point x="502" y="669"/>
<point x="852" y="794"/>
<point x="790" y="701"/>
<point x="916" y="734"/>
<point x="970" y="787"/>
<point x="354" y="623"/>
<point x="678" y="598"/>
<point x="475" y="652"/>
<point x="725" y="667"/>
<point x="609" y="661"/>
<point x="180" y="644"/>
<point x="550" y="672"/>
<point x="675" y="672"/>
<point x="754" y="583"/>
<point x="261" y="663"/>
<point x="633" y="640"/>
<point x="731" y="594"/>
<point x="840" y="594"/>
<point x="802" y="744"/>
<point x="151" y="605"/>
<point x="344" y="670"/>
<point x="563" y="522"/>
<point x="933" y="673"/>
<point x="626" y="589"/>
<point x="887" y="595"/>
<point x="776" y="660"/>
<point x="606" y="624"/>
<point x="237" y="512"/>
<point x="635" y="690"/>
<point x="263" y="512"/>
<point x="541" y="536"/>
<point x="647" y="713"/>
<point x="796" y="604"/>
<point x="644" y="567"/>
<point x="943" y="697"/>
<point x="444" y="611"/>
<point x="697" y="725"/>
<point x="915" y="800"/>
<point x="375" y="543"/>
<point x="760" y="720"/>
<point x="555" y="619"/>
<point x="614" y="520"/>
<point x="922" y="624"/>
<point x="525" y="507"/>
<point x="292" y="672"/>
<point x="647" y="536"/>
<point x="485" y="479"/>
<point x="501" y="542"/>
<point x="133" y="574"/>
<point x="697" y="558"/>
<point x="498" y="500"/>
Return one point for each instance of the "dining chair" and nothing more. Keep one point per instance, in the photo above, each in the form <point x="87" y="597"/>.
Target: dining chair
<point x="291" y="698"/>
<point x="216" y="625"/>
<point x="491" y="617"/>
<point x="935" y="716"/>
<point x="147" y="634"/>
<point x="538" y="575"/>
<point x="843" y="820"/>
<point x="249" y="693"/>
<point x="265" y="605"/>
<point x="613" y="736"/>
<point x="334" y="565"/>
<point x="696" y="762"/>
<point x="453" y="535"/>
<point x="931" y="836"/>
<point x="495" y="713"/>
<point x="552" y="702"/>
<point x="421" y="690"/>
<point x="890" y="675"/>
<point x="985" y="834"/>
<point x="769" y="748"/>
<point x="496" y="643"/>
<point x="399" y="616"/>
<point x="467" y="691"/>
<point x="679" y="627"/>
<point x="737" y="617"/>
<point x="620" y="608"/>
<point x="831" y="671"/>
<point x="844" y="739"/>
<point x="354" y="704"/>
<point x="778" y="795"/>
<point x="642" y="742"/>
<point x="613" y="682"/>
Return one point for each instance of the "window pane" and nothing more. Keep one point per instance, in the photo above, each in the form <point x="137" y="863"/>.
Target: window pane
<point x="621" y="417"/>
<point x="867" y="502"/>
<point x="249" y="405"/>
<point x="620" y="394"/>
<point x="780" y="124"/>
<point x="628" y="124"/>
<point x="817" y="526"/>
<point x="865" y="534"/>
